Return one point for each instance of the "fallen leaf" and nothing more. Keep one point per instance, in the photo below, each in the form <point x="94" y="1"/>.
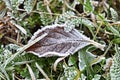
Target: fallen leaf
<point x="59" y="42"/>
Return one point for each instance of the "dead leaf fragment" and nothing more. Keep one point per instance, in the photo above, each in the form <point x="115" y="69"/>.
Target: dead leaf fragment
<point x="58" y="42"/>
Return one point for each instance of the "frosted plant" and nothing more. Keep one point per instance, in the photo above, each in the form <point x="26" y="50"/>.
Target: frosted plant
<point x="59" y="42"/>
<point x="115" y="68"/>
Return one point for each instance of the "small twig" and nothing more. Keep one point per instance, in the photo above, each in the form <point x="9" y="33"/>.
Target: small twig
<point x="115" y="23"/>
<point x="108" y="48"/>
<point x="40" y="12"/>
<point x="12" y="23"/>
<point x="47" y="2"/>
<point x="18" y="37"/>
<point x="34" y="4"/>
<point x="98" y="29"/>
<point x="31" y="72"/>
<point x="42" y="71"/>
<point x="57" y="61"/>
<point x="33" y="8"/>
<point x="17" y="78"/>
<point x="13" y="41"/>
<point x="71" y="7"/>
<point x="63" y="8"/>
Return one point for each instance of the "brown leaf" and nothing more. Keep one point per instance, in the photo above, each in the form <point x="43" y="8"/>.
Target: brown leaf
<point x="58" y="42"/>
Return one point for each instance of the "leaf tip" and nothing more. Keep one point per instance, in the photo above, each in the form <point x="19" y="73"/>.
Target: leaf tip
<point x="98" y="45"/>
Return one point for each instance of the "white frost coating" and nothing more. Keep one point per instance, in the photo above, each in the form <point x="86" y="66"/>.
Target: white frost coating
<point x="49" y="53"/>
<point x="43" y="29"/>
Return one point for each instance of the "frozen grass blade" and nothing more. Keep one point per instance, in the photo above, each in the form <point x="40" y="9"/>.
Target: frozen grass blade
<point x="57" y="61"/>
<point x="41" y="70"/>
<point x="2" y="76"/>
<point x="23" y="62"/>
<point x="5" y="73"/>
<point x="31" y="72"/>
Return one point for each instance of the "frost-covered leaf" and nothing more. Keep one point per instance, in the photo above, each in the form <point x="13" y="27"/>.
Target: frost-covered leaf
<point x="96" y="77"/>
<point x="46" y="19"/>
<point x="58" y="42"/>
<point x="114" y="14"/>
<point x="115" y="68"/>
<point x="66" y="16"/>
<point x="70" y="73"/>
<point x="114" y="31"/>
<point x="28" y="5"/>
<point x="12" y="47"/>
<point x="69" y="25"/>
<point x="71" y="20"/>
<point x="40" y="6"/>
<point x="83" y="77"/>
<point x="85" y="57"/>
<point x="13" y="4"/>
<point x="8" y="5"/>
